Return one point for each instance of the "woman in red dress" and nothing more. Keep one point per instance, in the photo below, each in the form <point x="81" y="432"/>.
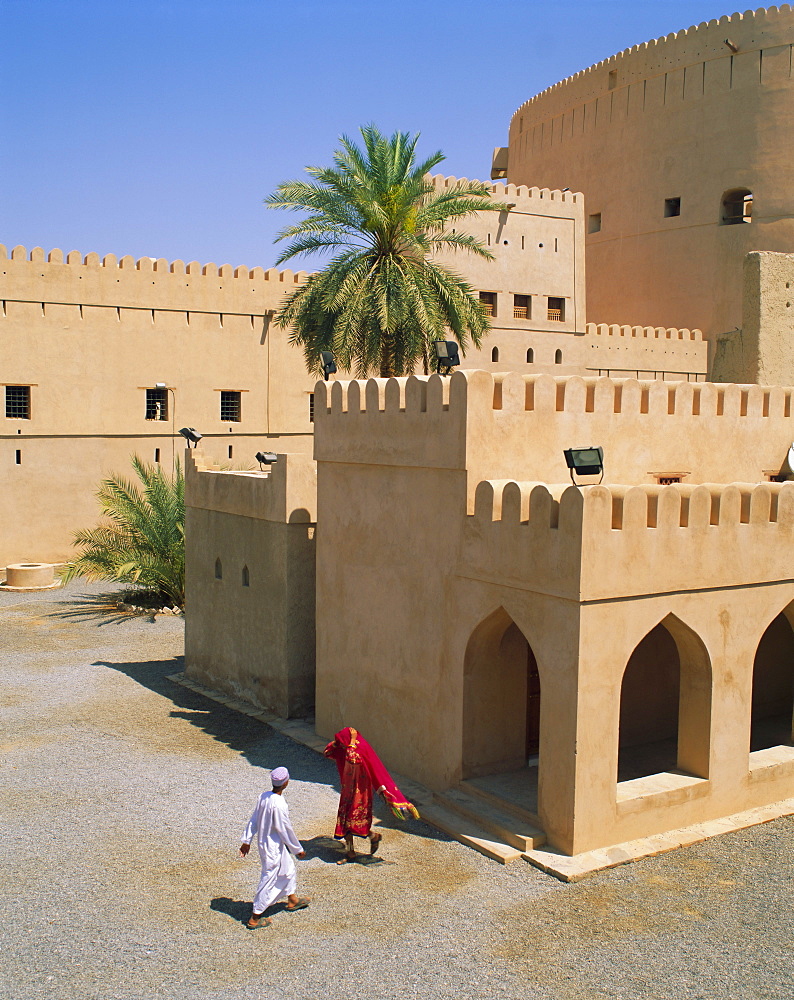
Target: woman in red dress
<point x="361" y="772"/>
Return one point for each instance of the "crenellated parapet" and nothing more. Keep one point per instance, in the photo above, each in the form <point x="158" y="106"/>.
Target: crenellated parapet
<point x="285" y="493"/>
<point x="86" y="279"/>
<point x="752" y="33"/>
<point x="495" y="425"/>
<point x="534" y="200"/>
<point x="604" y="542"/>
<point x="632" y="350"/>
<point x="642" y="332"/>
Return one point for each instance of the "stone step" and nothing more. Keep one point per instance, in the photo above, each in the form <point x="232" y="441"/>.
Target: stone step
<point x="504" y="805"/>
<point x="468" y="833"/>
<point x="508" y="827"/>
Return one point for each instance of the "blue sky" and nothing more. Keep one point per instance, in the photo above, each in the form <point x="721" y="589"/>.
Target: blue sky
<point x="157" y="128"/>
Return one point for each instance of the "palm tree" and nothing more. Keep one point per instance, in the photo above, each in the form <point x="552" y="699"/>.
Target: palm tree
<point x="143" y="541"/>
<point x="382" y="299"/>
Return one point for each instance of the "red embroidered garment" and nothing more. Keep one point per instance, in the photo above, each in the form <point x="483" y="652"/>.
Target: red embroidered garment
<point x="360" y="773"/>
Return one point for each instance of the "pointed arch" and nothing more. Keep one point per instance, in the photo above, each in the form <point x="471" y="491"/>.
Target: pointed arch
<point x="501" y="698"/>
<point x="773" y="684"/>
<point x="665" y="703"/>
<point x="218" y="569"/>
<point x="246" y="577"/>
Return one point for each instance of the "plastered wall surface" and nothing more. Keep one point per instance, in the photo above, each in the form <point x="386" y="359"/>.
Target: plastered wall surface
<point x="683" y="117"/>
<point x="250" y="581"/>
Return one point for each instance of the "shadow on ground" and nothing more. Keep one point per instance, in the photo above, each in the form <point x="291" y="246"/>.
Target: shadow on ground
<point x="101" y="609"/>
<point x="257" y="742"/>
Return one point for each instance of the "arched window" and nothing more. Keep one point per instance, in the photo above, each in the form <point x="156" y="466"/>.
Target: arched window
<point x="218" y="569"/>
<point x="530" y="356"/>
<point x="246" y="578"/>
<point x="737" y="207"/>
<point x="495" y="354"/>
<point x="558" y="357"/>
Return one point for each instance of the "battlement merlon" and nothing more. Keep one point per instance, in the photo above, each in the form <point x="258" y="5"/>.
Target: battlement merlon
<point x="750" y="31"/>
<point x="285" y="494"/>
<point x="145" y="283"/>
<point x="600" y="543"/>
<point x="532" y="200"/>
<point x="500" y="426"/>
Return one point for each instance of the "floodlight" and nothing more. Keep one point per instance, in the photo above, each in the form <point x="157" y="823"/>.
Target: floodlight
<point x="328" y="363"/>
<point x="265" y="458"/>
<point x="191" y="435"/>
<point x="585" y="462"/>
<point x="447" y="355"/>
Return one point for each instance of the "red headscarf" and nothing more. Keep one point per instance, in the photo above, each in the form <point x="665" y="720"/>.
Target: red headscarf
<point x="349" y="738"/>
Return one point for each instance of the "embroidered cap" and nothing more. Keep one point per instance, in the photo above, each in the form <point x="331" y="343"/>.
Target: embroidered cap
<point x="279" y="777"/>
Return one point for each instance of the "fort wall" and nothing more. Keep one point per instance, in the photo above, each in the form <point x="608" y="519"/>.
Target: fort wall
<point x="700" y="119"/>
<point x="250" y="581"/>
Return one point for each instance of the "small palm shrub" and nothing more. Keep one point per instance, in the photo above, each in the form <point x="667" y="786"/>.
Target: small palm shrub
<point x="142" y="541"/>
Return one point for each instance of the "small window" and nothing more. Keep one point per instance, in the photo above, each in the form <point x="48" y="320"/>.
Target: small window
<point x="737" y="207"/>
<point x="231" y="451"/>
<point x="558" y="357"/>
<point x="157" y="404"/>
<point x="218" y="569"/>
<point x="246" y="579"/>
<point x="156" y="456"/>
<point x="672" y="207"/>
<point x="530" y="356"/>
<point x="18" y="456"/>
<point x="522" y="307"/>
<point x="495" y="354"/>
<point x="668" y="480"/>
<point x="613" y="79"/>
<point x="556" y="310"/>
<point x="311" y="407"/>
<point x="488" y="302"/>
<point x="230" y="405"/>
<point x="594" y="223"/>
<point x="18" y="402"/>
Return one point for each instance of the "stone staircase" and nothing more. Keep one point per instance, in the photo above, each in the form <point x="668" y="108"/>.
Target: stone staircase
<point x="484" y="822"/>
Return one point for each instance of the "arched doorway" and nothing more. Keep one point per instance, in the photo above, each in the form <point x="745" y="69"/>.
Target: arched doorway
<point x="773" y="687"/>
<point x="501" y="700"/>
<point x="665" y="704"/>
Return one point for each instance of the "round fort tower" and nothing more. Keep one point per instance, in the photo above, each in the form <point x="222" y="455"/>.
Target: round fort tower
<point x="683" y="149"/>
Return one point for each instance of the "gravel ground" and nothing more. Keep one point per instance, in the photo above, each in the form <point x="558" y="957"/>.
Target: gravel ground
<point x="123" y="797"/>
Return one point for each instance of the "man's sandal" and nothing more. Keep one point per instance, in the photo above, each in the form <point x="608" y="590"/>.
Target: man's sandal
<point x="303" y="902"/>
<point x="254" y="924"/>
<point x="374" y="842"/>
<point x="347" y="859"/>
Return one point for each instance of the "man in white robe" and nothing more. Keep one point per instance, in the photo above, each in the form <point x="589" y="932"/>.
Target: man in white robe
<point x="276" y="840"/>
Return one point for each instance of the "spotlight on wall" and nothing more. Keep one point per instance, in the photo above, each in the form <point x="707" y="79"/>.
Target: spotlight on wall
<point x="191" y="435"/>
<point x="731" y="45"/>
<point x="265" y="458"/>
<point x="328" y="363"/>
<point x="585" y="462"/>
<point x="447" y="356"/>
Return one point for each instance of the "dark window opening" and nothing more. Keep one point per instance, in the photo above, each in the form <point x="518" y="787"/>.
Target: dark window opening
<point x="594" y="223"/>
<point x="488" y="303"/>
<point x="231" y="405"/>
<point x="157" y="456"/>
<point x="672" y="207"/>
<point x="737" y="207"/>
<point x="522" y="307"/>
<point x="18" y="457"/>
<point x="18" y="402"/>
<point x="530" y="356"/>
<point x="558" y="357"/>
<point x="157" y="404"/>
<point x="246" y="578"/>
<point x="556" y="310"/>
<point x="311" y="407"/>
<point x="495" y="354"/>
<point x="218" y="570"/>
<point x="231" y="449"/>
